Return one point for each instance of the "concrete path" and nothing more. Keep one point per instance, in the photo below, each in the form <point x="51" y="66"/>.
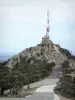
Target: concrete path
<point x="44" y="93"/>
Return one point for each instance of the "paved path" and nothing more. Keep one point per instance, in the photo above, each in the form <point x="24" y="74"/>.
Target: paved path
<point x="44" y="93"/>
<point x="55" y="72"/>
<point x="50" y="80"/>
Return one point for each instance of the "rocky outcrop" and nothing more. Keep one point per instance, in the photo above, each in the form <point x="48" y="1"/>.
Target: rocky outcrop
<point x="45" y="51"/>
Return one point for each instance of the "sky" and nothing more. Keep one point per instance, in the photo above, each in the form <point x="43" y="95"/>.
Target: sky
<point x="23" y="23"/>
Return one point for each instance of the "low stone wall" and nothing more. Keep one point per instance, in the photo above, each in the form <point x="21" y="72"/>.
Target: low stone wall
<point x="41" y="83"/>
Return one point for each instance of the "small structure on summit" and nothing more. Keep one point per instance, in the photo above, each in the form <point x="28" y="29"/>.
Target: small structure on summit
<point x="47" y="45"/>
<point x="46" y="38"/>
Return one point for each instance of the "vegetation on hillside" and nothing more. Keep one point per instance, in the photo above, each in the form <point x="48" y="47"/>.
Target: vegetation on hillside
<point x="22" y="74"/>
<point x="65" y="51"/>
<point x="66" y="85"/>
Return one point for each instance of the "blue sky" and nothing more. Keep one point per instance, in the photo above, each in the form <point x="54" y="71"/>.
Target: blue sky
<point x="23" y="23"/>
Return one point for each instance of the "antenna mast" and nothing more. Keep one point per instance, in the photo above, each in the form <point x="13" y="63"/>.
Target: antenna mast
<point x="48" y="28"/>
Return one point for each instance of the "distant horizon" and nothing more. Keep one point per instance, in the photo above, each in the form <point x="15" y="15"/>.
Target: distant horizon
<point x="4" y="56"/>
<point x="9" y="54"/>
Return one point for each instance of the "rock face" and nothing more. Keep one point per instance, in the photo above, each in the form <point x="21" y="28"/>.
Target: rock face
<point x="46" y="51"/>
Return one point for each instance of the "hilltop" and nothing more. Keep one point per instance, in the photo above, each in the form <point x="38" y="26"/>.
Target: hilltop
<point x="45" y="51"/>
